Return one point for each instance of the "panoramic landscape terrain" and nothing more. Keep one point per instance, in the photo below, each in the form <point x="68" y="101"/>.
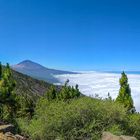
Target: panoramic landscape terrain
<point x="69" y="70"/>
<point x="90" y="82"/>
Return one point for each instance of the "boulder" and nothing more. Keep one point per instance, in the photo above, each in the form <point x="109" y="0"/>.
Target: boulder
<point x="1" y="136"/>
<point x="127" y="138"/>
<point x="109" y="136"/>
<point x="19" y="137"/>
<point x="6" y="128"/>
<point x="10" y="136"/>
<point x="6" y="133"/>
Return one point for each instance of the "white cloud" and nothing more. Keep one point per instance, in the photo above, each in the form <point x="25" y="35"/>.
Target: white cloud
<point x="91" y="83"/>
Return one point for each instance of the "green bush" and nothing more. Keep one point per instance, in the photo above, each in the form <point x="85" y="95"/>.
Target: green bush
<point x="133" y="126"/>
<point x="22" y="125"/>
<point x="81" y="118"/>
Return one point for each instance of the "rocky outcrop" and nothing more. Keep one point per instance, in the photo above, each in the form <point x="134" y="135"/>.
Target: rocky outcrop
<point x="6" y="128"/>
<point x="10" y="136"/>
<point x="6" y="133"/>
<point x="109" y="136"/>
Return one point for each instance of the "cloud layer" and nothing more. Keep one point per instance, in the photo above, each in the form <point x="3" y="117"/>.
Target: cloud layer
<point x="91" y="83"/>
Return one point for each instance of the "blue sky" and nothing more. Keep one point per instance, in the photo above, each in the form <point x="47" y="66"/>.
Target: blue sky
<point x="71" y="34"/>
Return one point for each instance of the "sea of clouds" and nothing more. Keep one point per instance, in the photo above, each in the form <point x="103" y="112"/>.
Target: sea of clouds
<point x="91" y="83"/>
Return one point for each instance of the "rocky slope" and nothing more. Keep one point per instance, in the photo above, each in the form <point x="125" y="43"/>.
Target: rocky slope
<point x="29" y="85"/>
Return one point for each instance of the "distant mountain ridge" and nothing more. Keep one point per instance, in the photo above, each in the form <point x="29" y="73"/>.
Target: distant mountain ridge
<point x="38" y="71"/>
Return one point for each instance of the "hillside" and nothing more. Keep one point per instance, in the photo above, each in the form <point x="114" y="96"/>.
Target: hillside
<point x="29" y="86"/>
<point x="38" y="71"/>
<point x="61" y="114"/>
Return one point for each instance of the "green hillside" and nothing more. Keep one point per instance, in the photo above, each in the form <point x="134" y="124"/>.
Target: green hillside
<point x="28" y="85"/>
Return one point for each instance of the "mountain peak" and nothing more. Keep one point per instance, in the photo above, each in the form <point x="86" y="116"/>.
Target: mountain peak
<point x="28" y="64"/>
<point x="26" y="61"/>
<point x="36" y="70"/>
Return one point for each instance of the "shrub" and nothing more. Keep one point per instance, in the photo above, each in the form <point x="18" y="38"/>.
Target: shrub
<point x="79" y="119"/>
<point x="133" y="126"/>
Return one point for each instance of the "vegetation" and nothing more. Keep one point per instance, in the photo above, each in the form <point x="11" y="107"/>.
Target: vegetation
<point x="7" y="96"/>
<point x="66" y="93"/>
<point x="82" y="118"/>
<point x="26" y="85"/>
<point x="124" y="96"/>
<point x="12" y="104"/>
<point x="63" y="113"/>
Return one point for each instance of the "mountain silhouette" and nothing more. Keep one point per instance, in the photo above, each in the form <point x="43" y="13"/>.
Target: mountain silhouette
<point x="38" y="71"/>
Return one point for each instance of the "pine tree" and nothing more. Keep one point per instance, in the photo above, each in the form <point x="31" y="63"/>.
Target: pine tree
<point x="68" y="92"/>
<point x="78" y="93"/>
<point x="26" y="106"/>
<point x="7" y="95"/>
<point x="124" y="96"/>
<point x="51" y="93"/>
<point x="7" y="83"/>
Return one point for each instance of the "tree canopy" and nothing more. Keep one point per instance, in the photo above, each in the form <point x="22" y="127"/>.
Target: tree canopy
<point x="124" y="96"/>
